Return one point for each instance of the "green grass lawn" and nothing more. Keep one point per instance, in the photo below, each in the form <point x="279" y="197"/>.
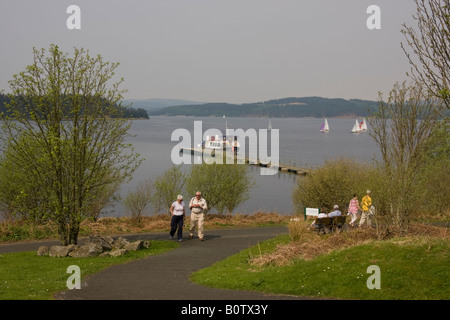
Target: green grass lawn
<point x="412" y="269"/>
<point x="24" y="275"/>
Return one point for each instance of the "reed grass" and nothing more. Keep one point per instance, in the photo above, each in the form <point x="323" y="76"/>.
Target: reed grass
<point x="17" y="230"/>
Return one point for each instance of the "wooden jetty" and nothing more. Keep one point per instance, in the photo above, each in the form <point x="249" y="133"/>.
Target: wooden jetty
<point x="286" y="168"/>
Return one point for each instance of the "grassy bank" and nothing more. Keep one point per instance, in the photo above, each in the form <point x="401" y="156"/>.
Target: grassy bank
<point x="26" y="276"/>
<point x="335" y="266"/>
<point x="12" y="231"/>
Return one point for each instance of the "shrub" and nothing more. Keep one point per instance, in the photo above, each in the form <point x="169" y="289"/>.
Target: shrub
<point x="334" y="183"/>
<point x="137" y="201"/>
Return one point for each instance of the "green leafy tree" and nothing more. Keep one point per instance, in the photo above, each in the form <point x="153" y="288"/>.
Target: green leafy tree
<point x="167" y="187"/>
<point x="136" y="202"/>
<point x="62" y="136"/>
<point x="224" y="186"/>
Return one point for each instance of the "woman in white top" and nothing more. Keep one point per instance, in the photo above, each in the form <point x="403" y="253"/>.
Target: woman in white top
<point x="178" y="212"/>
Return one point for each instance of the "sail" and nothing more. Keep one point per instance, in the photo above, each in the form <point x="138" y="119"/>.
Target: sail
<point x="325" y="127"/>
<point x="364" y="125"/>
<point x="356" y="128"/>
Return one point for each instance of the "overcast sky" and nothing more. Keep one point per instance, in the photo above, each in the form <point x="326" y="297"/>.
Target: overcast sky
<point x="232" y="51"/>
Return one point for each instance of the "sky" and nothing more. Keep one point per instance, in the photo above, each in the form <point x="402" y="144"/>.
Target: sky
<point x="235" y="51"/>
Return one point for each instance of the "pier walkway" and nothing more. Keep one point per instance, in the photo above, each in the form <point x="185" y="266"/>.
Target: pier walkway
<point x="282" y="167"/>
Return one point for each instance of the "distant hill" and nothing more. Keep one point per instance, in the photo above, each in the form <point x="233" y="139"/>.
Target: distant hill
<point x="156" y="104"/>
<point x="280" y="108"/>
<point x="130" y="112"/>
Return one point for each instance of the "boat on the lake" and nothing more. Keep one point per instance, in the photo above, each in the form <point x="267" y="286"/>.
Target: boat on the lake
<point x="356" y="127"/>
<point x="325" y="127"/>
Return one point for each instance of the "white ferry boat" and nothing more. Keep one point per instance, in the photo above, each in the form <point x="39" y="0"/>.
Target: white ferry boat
<point x="226" y="143"/>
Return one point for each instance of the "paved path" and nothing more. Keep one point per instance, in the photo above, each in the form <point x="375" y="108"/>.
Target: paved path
<point x="166" y="276"/>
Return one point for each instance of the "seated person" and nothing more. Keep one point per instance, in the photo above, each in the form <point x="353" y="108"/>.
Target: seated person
<point x="336" y="212"/>
<point x="321" y="215"/>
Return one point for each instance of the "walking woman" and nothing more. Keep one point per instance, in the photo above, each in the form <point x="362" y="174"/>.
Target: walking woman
<point x="178" y="212"/>
<point x="353" y="208"/>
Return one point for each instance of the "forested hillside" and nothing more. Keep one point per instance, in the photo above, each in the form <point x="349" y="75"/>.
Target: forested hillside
<point x="287" y="107"/>
<point x="127" y="112"/>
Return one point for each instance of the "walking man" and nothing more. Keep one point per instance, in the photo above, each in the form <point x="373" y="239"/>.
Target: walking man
<point x="198" y="206"/>
<point x="366" y="202"/>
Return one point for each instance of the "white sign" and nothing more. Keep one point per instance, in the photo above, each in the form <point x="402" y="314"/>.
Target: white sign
<point x="312" y="211"/>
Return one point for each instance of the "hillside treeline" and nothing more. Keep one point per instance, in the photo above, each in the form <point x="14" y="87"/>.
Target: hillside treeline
<point x="126" y="112"/>
<point x="288" y="107"/>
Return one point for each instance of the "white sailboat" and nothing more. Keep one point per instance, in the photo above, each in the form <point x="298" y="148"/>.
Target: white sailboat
<point x="325" y="127"/>
<point x="363" y="125"/>
<point x="356" y="128"/>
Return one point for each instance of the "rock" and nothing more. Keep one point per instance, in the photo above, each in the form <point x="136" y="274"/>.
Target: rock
<point x="134" y="246"/>
<point x="61" y="251"/>
<point x="43" y="251"/>
<point x="115" y="253"/>
<point x="147" y="244"/>
<point x="94" y="250"/>
<point x="87" y="250"/>
<point x="97" y="246"/>
<point x="120" y="242"/>
<point x="105" y="242"/>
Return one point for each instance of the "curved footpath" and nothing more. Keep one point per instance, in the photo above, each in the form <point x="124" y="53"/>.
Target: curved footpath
<point x="166" y="276"/>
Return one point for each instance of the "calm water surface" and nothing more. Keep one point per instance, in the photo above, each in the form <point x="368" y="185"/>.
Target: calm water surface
<point x="301" y="144"/>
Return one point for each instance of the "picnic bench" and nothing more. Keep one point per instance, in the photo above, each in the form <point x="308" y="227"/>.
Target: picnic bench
<point x="327" y="225"/>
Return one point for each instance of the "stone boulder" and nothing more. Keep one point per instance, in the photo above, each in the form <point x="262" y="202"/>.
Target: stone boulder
<point x="147" y="244"/>
<point x="106" y="242"/>
<point x="120" y="242"/>
<point x="61" y="251"/>
<point x="96" y="246"/>
<point x="87" y="250"/>
<point x="43" y="251"/>
<point x="114" y="253"/>
<point x="134" y="246"/>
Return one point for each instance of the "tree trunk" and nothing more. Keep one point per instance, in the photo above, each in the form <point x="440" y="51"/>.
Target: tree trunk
<point x="73" y="234"/>
<point x="62" y="232"/>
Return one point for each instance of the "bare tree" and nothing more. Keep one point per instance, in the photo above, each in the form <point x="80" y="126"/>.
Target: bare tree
<point x="430" y="45"/>
<point x="403" y="128"/>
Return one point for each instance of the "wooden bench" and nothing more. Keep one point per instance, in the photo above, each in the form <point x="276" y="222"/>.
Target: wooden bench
<point x="338" y="223"/>
<point x="327" y="225"/>
<point x="324" y="225"/>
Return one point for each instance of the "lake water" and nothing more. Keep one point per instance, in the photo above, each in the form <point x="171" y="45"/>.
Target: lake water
<point x="301" y="144"/>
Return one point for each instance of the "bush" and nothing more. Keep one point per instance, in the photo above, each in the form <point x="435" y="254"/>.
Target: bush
<point x="137" y="201"/>
<point x="16" y="230"/>
<point x="334" y="183"/>
<point x="224" y="186"/>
